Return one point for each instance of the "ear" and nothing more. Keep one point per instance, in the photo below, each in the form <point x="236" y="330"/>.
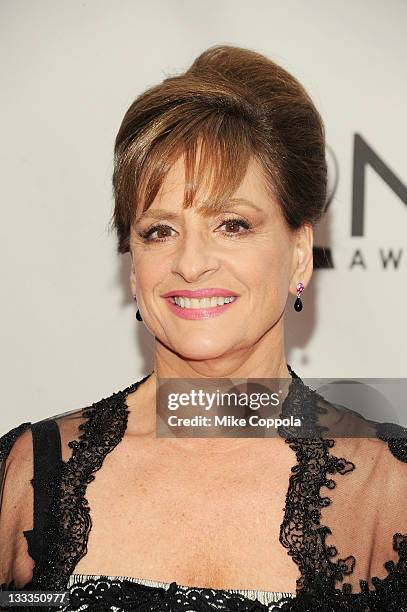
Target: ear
<point x="302" y="263"/>
<point x="132" y="276"/>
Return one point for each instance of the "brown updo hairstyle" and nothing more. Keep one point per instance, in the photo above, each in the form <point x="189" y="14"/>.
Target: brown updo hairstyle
<point x="233" y="103"/>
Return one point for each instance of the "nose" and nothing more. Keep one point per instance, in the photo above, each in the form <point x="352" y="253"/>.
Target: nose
<point x="195" y="256"/>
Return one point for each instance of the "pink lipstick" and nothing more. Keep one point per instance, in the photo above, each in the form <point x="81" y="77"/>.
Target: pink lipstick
<point x="200" y="303"/>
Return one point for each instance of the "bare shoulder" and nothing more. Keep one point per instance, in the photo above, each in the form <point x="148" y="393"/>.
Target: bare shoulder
<point x="16" y="508"/>
<point x="379" y="455"/>
<point x="18" y="464"/>
<point x="385" y="509"/>
<point x="379" y="481"/>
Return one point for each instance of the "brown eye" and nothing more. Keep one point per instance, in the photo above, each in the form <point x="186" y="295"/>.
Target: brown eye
<point x="233" y="226"/>
<point x="162" y="232"/>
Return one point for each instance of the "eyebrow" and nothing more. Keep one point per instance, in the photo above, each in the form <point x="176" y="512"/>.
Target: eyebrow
<point x="159" y="213"/>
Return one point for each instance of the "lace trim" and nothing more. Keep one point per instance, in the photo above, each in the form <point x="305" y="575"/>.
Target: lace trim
<point x="264" y="597"/>
<point x="301" y="531"/>
<point x="135" y="595"/>
<point x="69" y="513"/>
<point x="304" y="536"/>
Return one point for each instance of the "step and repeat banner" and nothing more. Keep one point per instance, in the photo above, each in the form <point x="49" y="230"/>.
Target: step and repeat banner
<point x="69" y="71"/>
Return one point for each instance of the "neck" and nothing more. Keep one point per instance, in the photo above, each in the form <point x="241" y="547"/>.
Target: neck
<point x="265" y="359"/>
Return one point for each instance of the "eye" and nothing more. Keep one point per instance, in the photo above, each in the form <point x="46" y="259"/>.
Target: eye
<point x="162" y="230"/>
<point x="235" y="224"/>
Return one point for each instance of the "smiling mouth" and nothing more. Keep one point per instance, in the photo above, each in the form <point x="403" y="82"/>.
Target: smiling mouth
<point x="207" y="302"/>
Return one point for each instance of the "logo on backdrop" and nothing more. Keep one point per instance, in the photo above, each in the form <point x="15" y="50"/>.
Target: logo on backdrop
<point x="363" y="155"/>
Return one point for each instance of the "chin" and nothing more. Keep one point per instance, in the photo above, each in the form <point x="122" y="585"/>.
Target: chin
<point x="202" y="348"/>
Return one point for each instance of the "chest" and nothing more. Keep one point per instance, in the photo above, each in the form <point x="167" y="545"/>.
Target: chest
<point x="199" y="521"/>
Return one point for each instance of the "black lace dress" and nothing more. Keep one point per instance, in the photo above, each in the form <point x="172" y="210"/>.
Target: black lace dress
<point x="62" y="519"/>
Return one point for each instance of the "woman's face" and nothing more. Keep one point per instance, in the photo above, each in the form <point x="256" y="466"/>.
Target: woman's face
<point x="246" y="252"/>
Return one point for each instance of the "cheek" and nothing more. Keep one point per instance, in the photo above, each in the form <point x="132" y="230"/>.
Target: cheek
<point x="265" y="267"/>
<point x="267" y="279"/>
<point x="150" y="269"/>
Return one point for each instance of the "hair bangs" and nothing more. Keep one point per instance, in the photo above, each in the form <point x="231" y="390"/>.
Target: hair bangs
<point x="216" y="152"/>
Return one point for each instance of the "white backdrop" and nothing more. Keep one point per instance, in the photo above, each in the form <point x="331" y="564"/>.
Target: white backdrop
<point x="69" y="70"/>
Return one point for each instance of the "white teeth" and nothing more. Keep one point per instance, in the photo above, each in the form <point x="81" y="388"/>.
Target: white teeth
<point x="206" y="302"/>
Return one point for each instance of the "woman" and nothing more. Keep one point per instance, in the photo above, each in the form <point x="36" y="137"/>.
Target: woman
<point x="219" y="178"/>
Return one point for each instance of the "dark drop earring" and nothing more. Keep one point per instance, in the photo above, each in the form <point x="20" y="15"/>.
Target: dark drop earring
<point x="138" y="315"/>
<point x="298" y="302"/>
